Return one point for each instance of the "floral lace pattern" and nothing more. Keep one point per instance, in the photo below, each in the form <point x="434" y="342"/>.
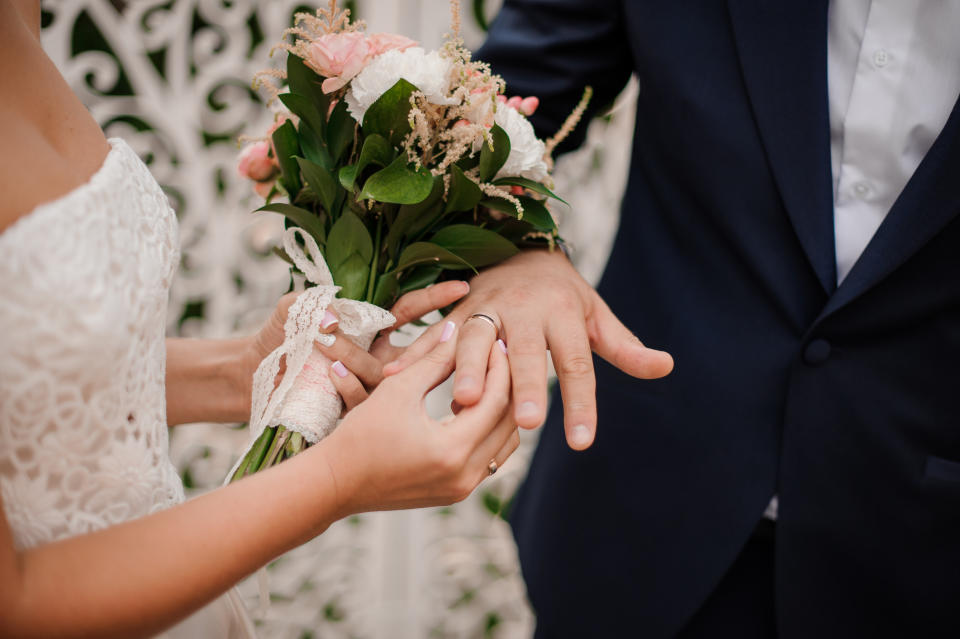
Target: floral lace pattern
<point x="84" y="281"/>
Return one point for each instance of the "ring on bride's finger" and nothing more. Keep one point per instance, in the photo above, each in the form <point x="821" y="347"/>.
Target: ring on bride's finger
<point x="492" y="466"/>
<point x="487" y="318"/>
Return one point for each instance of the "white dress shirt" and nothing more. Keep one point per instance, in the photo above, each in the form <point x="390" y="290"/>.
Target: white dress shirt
<point x="893" y="76"/>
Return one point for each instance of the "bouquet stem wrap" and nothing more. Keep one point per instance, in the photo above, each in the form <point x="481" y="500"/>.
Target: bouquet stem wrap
<point x="305" y="401"/>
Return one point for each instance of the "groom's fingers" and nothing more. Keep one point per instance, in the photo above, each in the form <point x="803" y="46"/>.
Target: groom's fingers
<point x="473" y="348"/>
<point x="528" y="368"/>
<point x="573" y="361"/>
<point x="615" y="343"/>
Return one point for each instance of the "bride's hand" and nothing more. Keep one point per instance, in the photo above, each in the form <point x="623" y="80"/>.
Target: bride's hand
<point x="364" y="370"/>
<point x="388" y="453"/>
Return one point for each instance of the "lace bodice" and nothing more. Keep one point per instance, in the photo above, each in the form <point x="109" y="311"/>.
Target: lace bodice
<point x="83" y="296"/>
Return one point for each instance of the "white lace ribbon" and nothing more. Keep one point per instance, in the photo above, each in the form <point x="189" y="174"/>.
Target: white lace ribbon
<point x="306" y="401"/>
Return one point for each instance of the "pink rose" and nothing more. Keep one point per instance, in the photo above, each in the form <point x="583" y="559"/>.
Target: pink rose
<point x="338" y="57"/>
<point x="255" y="162"/>
<point x="263" y="188"/>
<point x="529" y="105"/>
<point x="383" y="42"/>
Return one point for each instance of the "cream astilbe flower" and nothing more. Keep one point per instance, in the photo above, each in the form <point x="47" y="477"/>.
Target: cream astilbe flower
<point x="526" y="149"/>
<point x="429" y="72"/>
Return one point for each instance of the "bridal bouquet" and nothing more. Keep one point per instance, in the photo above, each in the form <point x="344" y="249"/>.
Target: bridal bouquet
<point x="396" y="167"/>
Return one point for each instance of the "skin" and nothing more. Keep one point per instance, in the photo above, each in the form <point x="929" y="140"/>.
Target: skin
<point x="137" y="578"/>
<point x="541" y="303"/>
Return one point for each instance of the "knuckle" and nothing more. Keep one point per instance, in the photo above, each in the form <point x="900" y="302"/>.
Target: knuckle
<point x="576" y="366"/>
<point x="462" y="488"/>
<point x="565" y="299"/>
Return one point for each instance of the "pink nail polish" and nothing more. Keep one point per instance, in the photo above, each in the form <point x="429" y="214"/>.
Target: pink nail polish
<point x="447" y="331"/>
<point x="339" y="369"/>
<point x="503" y="347"/>
<point x="329" y="319"/>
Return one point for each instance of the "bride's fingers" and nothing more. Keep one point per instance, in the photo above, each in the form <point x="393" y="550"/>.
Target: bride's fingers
<point x="497" y="448"/>
<point x="416" y="304"/>
<point x="434" y="367"/>
<point x="347" y="385"/>
<point x="424" y="344"/>
<point x="330" y="322"/>
<point x="508" y="449"/>
<point x="360" y="362"/>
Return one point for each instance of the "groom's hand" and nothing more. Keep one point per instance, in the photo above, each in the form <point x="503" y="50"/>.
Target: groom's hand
<point x="541" y="303"/>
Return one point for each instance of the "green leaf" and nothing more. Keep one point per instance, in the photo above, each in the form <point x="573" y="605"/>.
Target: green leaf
<point x="351" y="276"/>
<point x="398" y="184"/>
<point x="321" y="182"/>
<point x="420" y="277"/>
<point x="376" y="150"/>
<point x="420" y="253"/>
<point x="493" y="159"/>
<point x="414" y="218"/>
<point x="478" y="246"/>
<point x="300" y="217"/>
<point x="287" y="146"/>
<point x="536" y="187"/>
<point x="340" y="130"/>
<point x="304" y="109"/>
<point x="534" y="211"/>
<point x="348" y="236"/>
<point x="389" y="115"/>
<point x="386" y="290"/>
<point x="464" y="193"/>
<point x="313" y="146"/>
<point x="302" y="80"/>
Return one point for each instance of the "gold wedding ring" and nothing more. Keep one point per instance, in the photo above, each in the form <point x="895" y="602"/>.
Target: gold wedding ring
<point x="492" y="466"/>
<point x="483" y="316"/>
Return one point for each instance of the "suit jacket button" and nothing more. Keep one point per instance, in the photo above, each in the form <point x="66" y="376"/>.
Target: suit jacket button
<point x="816" y="352"/>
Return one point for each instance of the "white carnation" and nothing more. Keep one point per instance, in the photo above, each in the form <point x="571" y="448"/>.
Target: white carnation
<point x="526" y="150"/>
<point x="429" y="72"/>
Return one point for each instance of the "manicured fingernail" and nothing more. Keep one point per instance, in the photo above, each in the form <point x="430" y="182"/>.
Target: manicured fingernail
<point x="465" y="382"/>
<point x="466" y="286"/>
<point x="329" y="319"/>
<point x="339" y="369"/>
<point x="447" y="331"/>
<point x="528" y="409"/>
<point x="503" y="347"/>
<point x="580" y="435"/>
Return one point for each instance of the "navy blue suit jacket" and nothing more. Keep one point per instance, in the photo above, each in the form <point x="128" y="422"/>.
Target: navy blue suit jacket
<point x="844" y="401"/>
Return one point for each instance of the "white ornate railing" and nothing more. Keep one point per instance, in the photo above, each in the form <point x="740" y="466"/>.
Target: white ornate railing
<point x="172" y="78"/>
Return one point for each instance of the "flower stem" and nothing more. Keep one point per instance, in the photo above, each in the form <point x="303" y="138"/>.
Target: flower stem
<point x="259" y="450"/>
<point x="376" y="259"/>
<point x="279" y="440"/>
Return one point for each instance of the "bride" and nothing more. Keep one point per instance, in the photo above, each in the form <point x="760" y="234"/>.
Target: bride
<point x="95" y="537"/>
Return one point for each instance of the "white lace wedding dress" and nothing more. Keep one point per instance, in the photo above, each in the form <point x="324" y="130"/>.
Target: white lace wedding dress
<point x="83" y="433"/>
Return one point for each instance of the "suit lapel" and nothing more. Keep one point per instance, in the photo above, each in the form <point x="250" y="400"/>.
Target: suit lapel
<point x="783" y="55"/>
<point x="929" y="202"/>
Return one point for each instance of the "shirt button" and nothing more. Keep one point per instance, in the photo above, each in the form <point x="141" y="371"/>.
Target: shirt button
<point x="881" y="58"/>
<point x="862" y="189"/>
<point x="817" y="352"/>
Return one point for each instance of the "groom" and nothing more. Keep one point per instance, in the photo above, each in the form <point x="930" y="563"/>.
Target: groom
<point x="790" y="235"/>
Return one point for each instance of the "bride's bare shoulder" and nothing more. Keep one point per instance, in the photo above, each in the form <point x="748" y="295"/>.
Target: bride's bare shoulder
<point x="50" y="144"/>
<point x="31" y="172"/>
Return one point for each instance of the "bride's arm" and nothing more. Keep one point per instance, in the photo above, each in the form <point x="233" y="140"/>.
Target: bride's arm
<point x="210" y="380"/>
<point x="137" y="578"/>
